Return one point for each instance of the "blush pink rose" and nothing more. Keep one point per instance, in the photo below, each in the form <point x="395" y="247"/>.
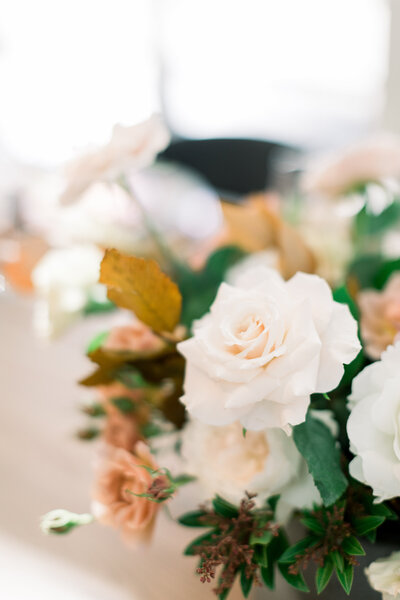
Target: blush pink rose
<point x="375" y="160"/>
<point x="120" y="474"/>
<point x="380" y="317"/>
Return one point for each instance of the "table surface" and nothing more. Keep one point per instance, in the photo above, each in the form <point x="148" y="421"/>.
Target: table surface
<point x="43" y="466"/>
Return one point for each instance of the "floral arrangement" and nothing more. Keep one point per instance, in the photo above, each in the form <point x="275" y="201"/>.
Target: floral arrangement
<point x="245" y="370"/>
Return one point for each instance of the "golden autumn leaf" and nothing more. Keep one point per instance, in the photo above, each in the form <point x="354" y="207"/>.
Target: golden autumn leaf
<point x="138" y="284"/>
<point x="248" y="225"/>
<point x="254" y="226"/>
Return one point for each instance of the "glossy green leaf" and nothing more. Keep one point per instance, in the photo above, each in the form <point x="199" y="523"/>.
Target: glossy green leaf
<point x="323" y="575"/>
<point x="274" y="551"/>
<point x="194" y="518"/>
<point x="314" y="525"/>
<point x="291" y="554"/>
<point x="316" y="443"/>
<point x="352" y="546"/>
<point x="263" y="539"/>
<point x="273" y="502"/>
<point x="261" y="555"/>
<point x="124" y="404"/>
<point x="364" y="525"/>
<point x="224" y="508"/>
<point x="245" y="582"/>
<point x="345" y="577"/>
<point x="97" y="341"/>
<point x="337" y="560"/>
<point x="296" y="581"/>
<point x="191" y="549"/>
<point x="342" y="296"/>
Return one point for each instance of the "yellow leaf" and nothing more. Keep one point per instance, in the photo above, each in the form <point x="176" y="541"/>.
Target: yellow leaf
<point x="139" y="285"/>
<point x="248" y="225"/>
<point x="254" y="226"/>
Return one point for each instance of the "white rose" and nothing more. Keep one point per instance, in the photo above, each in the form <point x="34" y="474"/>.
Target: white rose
<point x="64" y="280"/>
<point x="264" y="347"/>
<point x="384" y="576"/>
<point x="374" y="425"/>
<point x="265" y="258"/>
<point x="129" y="148"/>
<point x="262" y="462"/>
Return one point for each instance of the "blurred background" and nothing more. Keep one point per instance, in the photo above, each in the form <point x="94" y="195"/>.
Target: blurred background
<point x="250" y="91"/>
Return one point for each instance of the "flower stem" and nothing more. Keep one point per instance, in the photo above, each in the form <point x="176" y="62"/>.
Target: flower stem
<point x="173" y="262"/>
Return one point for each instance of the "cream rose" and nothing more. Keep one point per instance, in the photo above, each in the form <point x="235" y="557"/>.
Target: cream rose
<point x="384" y="576"/>
<point x="129" y="148"/>
<point x="262" y="462"/>
<point x="264" y="347"/>
<point x="374" y="425"/>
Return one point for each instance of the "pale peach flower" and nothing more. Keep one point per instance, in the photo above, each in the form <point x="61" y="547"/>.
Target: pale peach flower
<point x="374" y="160"/>
<point x="380" y="317"/>
<point x="384" y="576"/>
<point x="130" y="148"/>
<point x="120" y="474"/>
<point x="135" y="336"/>
<point x="122" y="430"/>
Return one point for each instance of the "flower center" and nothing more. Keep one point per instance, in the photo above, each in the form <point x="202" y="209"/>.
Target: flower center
<point x="255" y="332"/>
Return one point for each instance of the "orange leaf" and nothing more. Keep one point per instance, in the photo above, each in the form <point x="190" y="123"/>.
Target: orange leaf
<point x="138" y="284"/>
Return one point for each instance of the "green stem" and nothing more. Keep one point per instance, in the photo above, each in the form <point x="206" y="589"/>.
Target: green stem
<point x="173" y="262"/>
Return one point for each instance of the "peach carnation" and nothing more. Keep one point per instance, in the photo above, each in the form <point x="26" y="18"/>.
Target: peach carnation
<point x="122" y="430"/>
<point x="122" y="475"/>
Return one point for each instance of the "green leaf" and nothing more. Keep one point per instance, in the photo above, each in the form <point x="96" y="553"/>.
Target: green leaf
<point x="323" y="576"/>
<point x="345" y="577"/>
<point x="363" y="525"/>
<point x="381" y="510"/>
<point x="290" y="555"/>
<point x="245" y="582"/>
<point x="88" y="434"/>
<point x="194" y="518"/>
<point x="296" y="581"/>
<point x="264" y="539"/>
<point x="273" y="501"/>
<point x="93" y="307"/>
<point x="317" y="445"/>
<point x="224" y="508"/>
<point x="97" y="341"/>
<point x="191" y="549"/>
<point x="314" y="525"/>
<point x="384" y="273"/>
<point x="352" y="546"/>
<point x="364" y="270"/>
<point x="183" y="479"/>
<point x="367" y="223"/>
<point x="261" y="555"/>
<point x="199" y="288"/>
<point x="124" y="404"/>
<point x="352" y="369"/>
<point x="274" y="551"/>
<point x="342" y="296"/>
<point x="131" y="378"/>
<point x="94" y="410"/>
<point x="337" y="560"/>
